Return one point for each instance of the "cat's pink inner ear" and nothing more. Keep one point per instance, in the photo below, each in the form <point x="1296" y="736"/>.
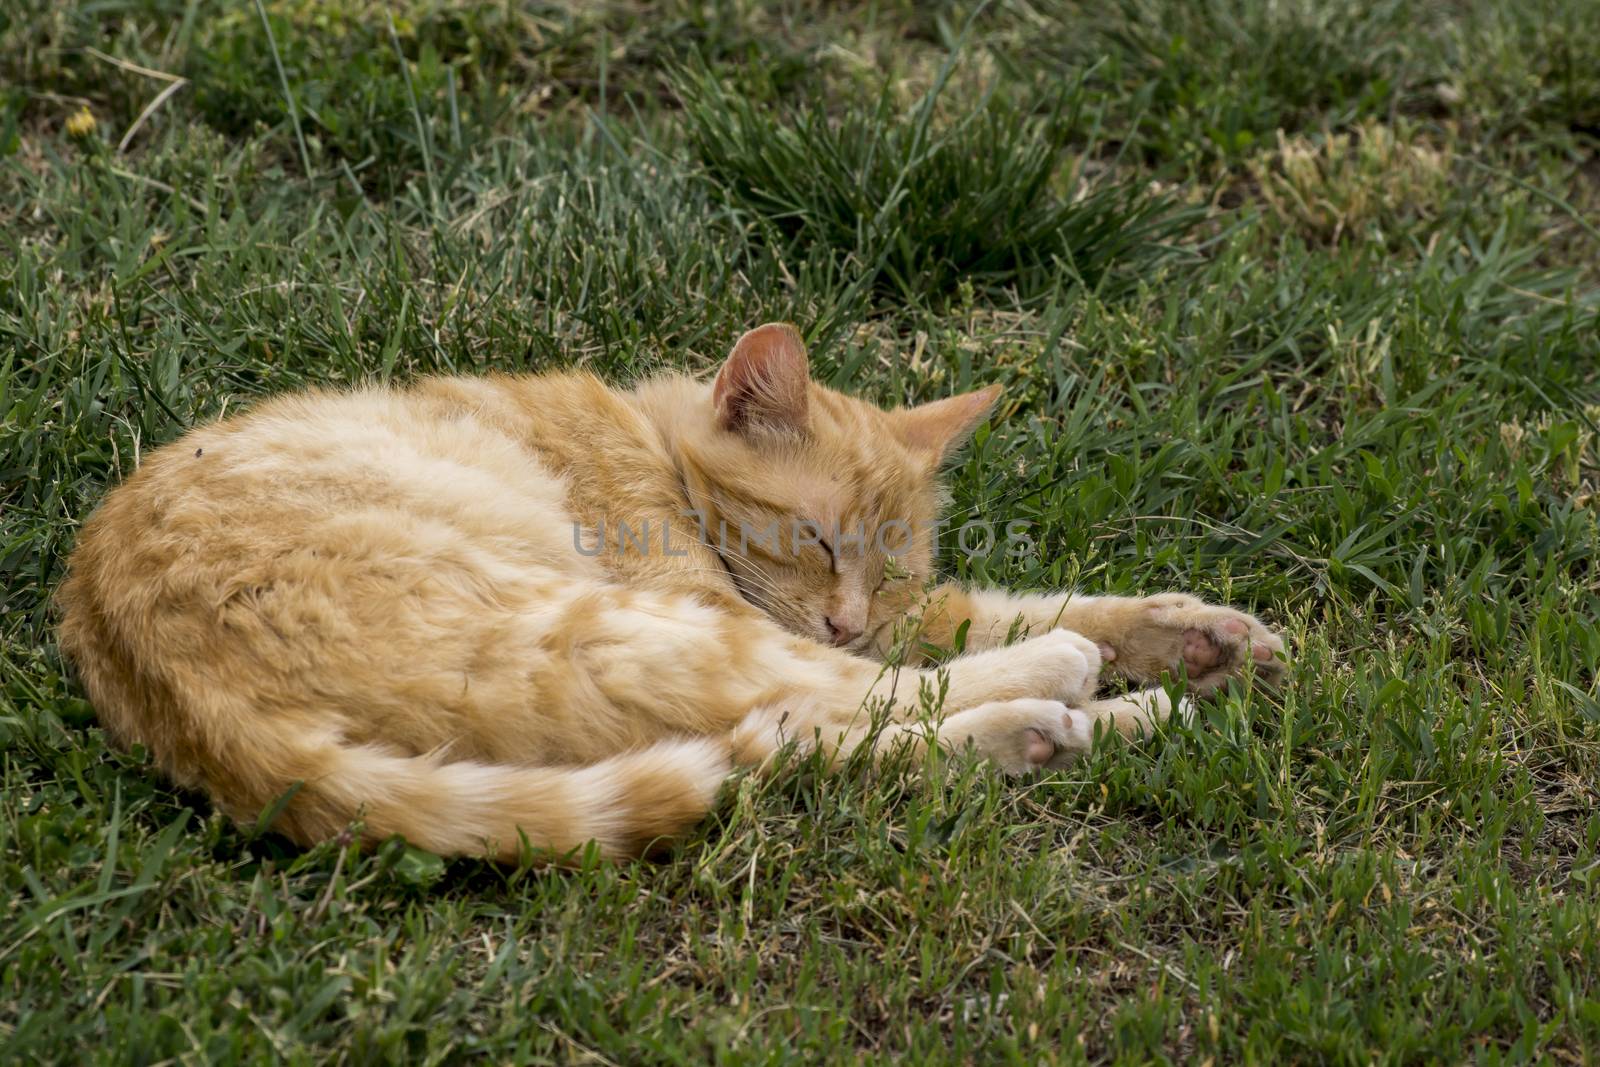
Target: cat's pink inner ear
<point x="763" y="383"/>
<point x="941" y="425"/>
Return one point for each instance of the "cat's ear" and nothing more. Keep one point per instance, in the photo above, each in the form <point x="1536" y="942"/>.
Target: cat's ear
<point x="764" y="382"/>
<point x="940" y="426"/>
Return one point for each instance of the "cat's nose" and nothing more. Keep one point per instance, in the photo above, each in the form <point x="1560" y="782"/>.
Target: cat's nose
<point x="843" y="631"/>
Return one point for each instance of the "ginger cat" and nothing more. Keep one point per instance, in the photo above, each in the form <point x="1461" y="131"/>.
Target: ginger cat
<point x="422" y="607"/>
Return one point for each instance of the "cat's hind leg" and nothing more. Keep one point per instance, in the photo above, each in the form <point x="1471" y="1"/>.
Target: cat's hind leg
<point x="1017" y="736"/>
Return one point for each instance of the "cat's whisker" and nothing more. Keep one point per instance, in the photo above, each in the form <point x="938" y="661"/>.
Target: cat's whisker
<point x="750" y="572"/>
<point x="770" y="587"/>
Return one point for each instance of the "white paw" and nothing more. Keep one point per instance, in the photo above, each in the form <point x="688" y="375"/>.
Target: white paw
<point x="1078" y="736"/>
<point x="1019" y="736"/>
<point x="1066" y="666"/>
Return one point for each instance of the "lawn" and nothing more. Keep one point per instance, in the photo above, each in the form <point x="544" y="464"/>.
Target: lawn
<point x="1296" y="304"/>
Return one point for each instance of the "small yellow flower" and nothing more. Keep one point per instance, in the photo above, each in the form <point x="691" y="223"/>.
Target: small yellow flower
<point x="81" y="124"/>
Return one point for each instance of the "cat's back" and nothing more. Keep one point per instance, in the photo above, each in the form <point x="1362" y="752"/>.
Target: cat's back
<point x="257" y="483"/>
<point x="316" y="526"/>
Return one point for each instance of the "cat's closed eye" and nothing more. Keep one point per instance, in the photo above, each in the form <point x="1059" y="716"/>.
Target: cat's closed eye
<point x="833" y="559"/>
<point x="810" y="536"/>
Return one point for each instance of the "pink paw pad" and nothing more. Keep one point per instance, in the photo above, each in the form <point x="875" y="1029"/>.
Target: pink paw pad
<point x="1039" y="748"/>
<point x="1200" y="652"/>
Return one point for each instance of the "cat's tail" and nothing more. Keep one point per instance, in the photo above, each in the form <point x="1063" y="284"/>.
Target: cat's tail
<point x="625" y="804"/>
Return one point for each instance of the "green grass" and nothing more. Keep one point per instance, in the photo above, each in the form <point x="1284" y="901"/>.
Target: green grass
<point x="1358" y="395"/>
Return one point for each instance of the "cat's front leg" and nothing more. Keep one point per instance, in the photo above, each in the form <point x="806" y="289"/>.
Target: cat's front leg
<point x="1058" y="665"/>
<point x="1153" y="635"/>
<point x="1140" y="638"/>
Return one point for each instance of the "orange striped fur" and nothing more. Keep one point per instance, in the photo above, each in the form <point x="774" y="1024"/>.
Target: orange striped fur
<point x="410" y="603"/>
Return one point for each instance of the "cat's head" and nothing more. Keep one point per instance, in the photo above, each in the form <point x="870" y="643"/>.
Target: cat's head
<point x="822" y="505"/>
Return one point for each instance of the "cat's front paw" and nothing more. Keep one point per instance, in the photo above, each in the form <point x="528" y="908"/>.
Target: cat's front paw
<point x="1066" y="664"/>
<point x="1058" y="665"/>
<point x="1212" y="644"/>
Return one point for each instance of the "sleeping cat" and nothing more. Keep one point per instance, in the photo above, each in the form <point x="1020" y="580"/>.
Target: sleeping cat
<point x="430" y="610"/>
